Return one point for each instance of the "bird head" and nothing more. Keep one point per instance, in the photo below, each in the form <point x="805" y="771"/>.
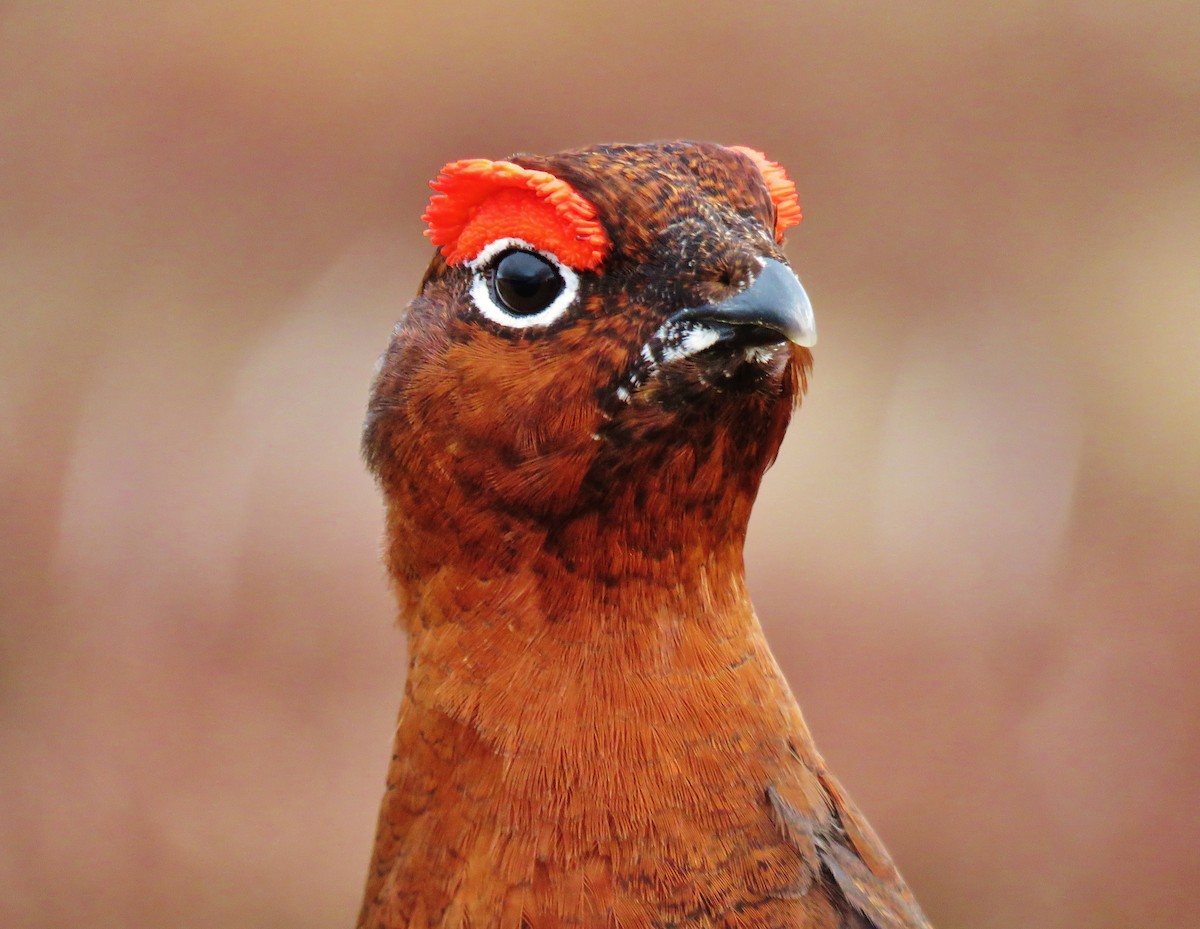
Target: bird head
<point x="600" y="363"/>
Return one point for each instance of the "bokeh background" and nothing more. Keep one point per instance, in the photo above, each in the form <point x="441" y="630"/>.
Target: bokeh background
<point x="978" y="556"/>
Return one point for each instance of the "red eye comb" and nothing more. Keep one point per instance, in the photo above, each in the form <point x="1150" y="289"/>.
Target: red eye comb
<point x="479" y="201"/>
<point x="781" y="188"/>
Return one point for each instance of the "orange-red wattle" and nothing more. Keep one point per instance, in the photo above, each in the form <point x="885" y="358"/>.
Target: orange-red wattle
<point x="781" y="188"/>
<point x="522" y="214"/>
<point x="476" y="199"/>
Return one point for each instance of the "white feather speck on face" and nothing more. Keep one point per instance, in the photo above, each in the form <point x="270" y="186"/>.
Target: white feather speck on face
<point x="690" y="341"/>
<point x="673" y="341"/>
<point x="757" y="354"/>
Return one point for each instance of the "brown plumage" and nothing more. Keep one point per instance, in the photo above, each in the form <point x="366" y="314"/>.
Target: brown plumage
<point x="594" y="732"/>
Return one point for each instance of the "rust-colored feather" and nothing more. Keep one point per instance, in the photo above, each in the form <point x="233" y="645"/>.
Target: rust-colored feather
<point x="594" y="732"/>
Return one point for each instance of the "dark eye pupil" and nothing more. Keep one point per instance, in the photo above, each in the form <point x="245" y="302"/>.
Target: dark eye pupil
<point x="524" y="283"/>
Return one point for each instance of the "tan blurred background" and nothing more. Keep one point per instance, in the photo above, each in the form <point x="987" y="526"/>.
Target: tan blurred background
<point x="979" y="554"/>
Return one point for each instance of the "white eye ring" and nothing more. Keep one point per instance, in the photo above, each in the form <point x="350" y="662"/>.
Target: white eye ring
<point x="481" y="293"/>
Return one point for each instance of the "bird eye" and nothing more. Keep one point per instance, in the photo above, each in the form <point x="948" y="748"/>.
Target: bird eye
<point x="524" y="283"/>
<point x="520" y="286"/>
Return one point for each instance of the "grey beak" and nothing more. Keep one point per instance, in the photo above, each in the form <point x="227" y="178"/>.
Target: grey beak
<point x="775" y="300"/>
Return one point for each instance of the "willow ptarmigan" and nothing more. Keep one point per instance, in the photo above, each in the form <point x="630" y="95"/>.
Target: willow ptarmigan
<point x="569" y="428"/>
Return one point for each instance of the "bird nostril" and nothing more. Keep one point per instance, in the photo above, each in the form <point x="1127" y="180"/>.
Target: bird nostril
<point x="727" y="273"/>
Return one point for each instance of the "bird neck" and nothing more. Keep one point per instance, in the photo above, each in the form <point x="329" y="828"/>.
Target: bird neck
<point x="529" y="662"/>
<point x="645" y="583"/>
<point x="548" y="718"/>
<point x="604" y="571"/>
<point x="554" y="708"/>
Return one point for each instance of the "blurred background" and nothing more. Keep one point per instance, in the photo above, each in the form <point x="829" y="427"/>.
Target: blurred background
<point x="978" y="556"/>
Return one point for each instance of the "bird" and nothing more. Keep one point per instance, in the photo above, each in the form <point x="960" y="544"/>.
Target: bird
<point x="569" y="428"/>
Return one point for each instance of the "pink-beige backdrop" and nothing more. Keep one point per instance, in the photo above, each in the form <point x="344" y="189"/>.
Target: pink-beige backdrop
<point x="978" y="556"/>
